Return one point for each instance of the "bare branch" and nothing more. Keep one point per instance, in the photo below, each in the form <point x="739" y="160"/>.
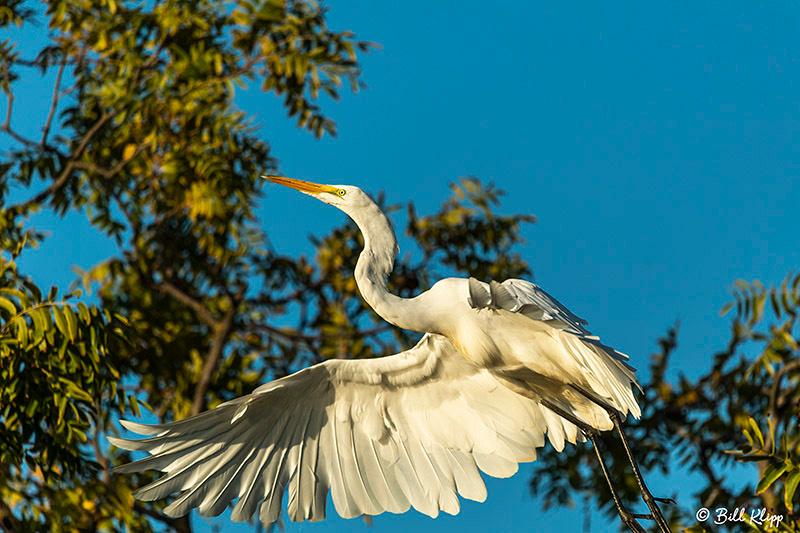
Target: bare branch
<point x="776" y="385"/>
<point x="223" y="331"/>
<point x="9" y="95"/>
<point x="180" y="525"/>
<point x="6" y="126"/>
<point x="168" y="288"/>
<point x="53" y="103"/>
<point x="68" y="168"/>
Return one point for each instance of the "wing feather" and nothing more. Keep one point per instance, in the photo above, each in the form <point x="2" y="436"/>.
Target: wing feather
<point x="416" y="477"/>
<point x="525" y="292"/>
<point x="469" y="483"/>
<point x="229" y="490"/>
<point x="607" y="370"/>
<point x="448" y="498"/>
<point x="381" y="435"/>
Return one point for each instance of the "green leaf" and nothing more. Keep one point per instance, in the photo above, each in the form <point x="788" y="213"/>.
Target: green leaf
<point x="62" y="407"/>
<point x="8" y="306"/>
<point x="771" y="434"/>
<point x="31" y="409"/>
<point x="772" y="472"/>
<point x="697" y="528"/>
<point x="83" y="312"/>
<point x="791" y="486"/>
<point x="22" y="332"/>
<point x="74" y="391"/>
<point x="72" y="323"/>
<point x="81" y="434"/>
<point x="61" y="321"/>
<point x="23" y="299"/>
<point x="39" y="324"/>
<point x="133" y="405"/>
<point x="756" y="431"/>
<point x="63" y="348"/>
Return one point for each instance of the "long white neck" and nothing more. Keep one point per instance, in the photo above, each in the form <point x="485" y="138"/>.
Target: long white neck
<point x="374" y="266"/>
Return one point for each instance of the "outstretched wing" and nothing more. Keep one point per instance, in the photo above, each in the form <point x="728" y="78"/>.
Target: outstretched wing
<point x="384" y="434"/>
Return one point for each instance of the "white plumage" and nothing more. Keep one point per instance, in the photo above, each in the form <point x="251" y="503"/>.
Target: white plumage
<point x="385" y="434"/>
<point x="407" y="430"/>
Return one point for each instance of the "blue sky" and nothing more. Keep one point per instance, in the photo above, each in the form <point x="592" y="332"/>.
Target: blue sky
<point x="657" y="145"/>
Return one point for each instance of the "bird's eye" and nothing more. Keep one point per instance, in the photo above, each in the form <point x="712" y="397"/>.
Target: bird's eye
<point x="341" y="192"/>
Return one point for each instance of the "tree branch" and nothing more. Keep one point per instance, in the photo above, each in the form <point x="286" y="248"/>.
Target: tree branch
<point x="181" y="525"/>
<point x="6" y="126"/>
<point x="53" y="103"/>
<point x="267" y="300"/>
<point x="68" y="168"/>
<point x="8" y="522"/>
<point x="204" y="314"/>
<point x="9" y="95"/>
<point x="776" y="384"/>
<point x="78" y="152"/>
<point x="108" y="174"/>
<point x="221" y="334"/>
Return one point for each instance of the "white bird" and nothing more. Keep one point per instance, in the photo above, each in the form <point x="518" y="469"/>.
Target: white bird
<point x="500" y="366"/>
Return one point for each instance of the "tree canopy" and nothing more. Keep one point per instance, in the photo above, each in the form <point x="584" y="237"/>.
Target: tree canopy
<point x="744" y="406"/>
<point x="142" y="136"/>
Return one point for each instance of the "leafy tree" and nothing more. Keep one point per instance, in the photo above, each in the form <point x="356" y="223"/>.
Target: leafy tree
<point x="745" y="407"/>
<point x="143" y="137"/>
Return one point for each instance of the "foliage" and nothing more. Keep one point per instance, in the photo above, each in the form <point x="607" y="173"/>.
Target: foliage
<point x="56" y="372"/>
<point x="142" y="136"/>
<point x="195" y="307"/>
<point x="745" y="407"/>
<point x="466" y="228"/>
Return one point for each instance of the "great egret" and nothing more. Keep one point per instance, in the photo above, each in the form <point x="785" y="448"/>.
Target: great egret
<point x="500" y="366"/>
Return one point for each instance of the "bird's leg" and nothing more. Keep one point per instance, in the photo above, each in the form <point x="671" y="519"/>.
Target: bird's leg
<point x="628" y="518"/>
<point x="647" y="496"/>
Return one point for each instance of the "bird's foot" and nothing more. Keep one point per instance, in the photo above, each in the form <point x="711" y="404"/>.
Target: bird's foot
<point x="629" y="519"/>
<point x="655" y="511"/>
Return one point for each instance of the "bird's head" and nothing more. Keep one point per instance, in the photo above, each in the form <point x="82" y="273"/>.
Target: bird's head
<point x="346" y="197"/>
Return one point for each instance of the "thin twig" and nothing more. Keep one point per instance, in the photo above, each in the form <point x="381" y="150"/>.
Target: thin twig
<point x="87" y="138"/>
<point x="68" y="168"/>
<point x="9" y="95"/>
<point x="108" y="174"/>
<point x="6" y="127"/>
<point x="53" y="103"/>
<point x="773" y="394"/>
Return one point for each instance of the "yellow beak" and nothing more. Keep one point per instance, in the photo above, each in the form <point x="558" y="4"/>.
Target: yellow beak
<point x="300" y="185"/>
